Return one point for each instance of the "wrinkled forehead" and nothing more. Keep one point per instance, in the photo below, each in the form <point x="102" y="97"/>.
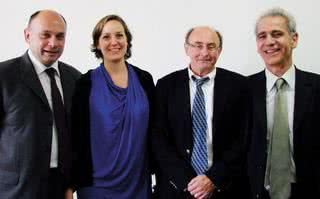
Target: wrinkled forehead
<point x="271" y="24"/>
<point x="204" y="35"/>
<point x="48" y="21"/>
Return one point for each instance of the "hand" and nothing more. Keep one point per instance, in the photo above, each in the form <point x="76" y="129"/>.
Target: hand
<point x="201" y="187"/>
<point x="68" y="194"/>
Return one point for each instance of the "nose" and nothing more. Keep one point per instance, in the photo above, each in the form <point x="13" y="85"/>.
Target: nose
<point x="270" y="40"/>
<point x="114" y="41"/>
<point x="53" y="42"/>
<point x="204" y="51"/>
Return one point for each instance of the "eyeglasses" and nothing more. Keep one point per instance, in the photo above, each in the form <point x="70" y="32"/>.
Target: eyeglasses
<point x="199" y="46"/>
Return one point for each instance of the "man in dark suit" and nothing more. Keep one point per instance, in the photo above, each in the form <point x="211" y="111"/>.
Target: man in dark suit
<point x="176" y="145"/>
<point x="283" y="160"/>
<point x="34" y="151"/>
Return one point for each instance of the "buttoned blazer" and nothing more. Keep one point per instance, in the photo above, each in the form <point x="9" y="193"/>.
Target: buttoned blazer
<point x="26" y="128"/>
<point x="172" y="138"/>
<point x="306" y="134"/>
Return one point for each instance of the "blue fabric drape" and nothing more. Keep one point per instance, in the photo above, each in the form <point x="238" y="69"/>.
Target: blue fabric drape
<point x="118" y="131"/>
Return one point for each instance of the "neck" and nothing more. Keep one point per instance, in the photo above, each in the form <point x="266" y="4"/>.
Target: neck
<point x="279" y="70"/>
<point x="115" y="67"/>
<point x="201" y="71"/>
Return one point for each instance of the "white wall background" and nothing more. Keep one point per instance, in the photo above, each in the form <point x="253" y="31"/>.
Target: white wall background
<point x="159" y="27"/>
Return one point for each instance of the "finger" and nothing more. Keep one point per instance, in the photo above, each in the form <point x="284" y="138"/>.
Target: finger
<point x="194" y="180"/>
<point x="195" y="191"/>
<point x="193" y="185"/>
<point x="201" y="195"/>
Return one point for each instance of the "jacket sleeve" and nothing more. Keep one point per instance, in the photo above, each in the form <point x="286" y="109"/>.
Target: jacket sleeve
<point x="174" y="169"/>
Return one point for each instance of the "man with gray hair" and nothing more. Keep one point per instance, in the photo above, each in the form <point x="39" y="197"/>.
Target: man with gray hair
<point x="284" y="151"/>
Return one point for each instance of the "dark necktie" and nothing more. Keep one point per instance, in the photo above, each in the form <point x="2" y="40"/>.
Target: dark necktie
<point x="59" y="117"/>
<point x="199" y="157"/>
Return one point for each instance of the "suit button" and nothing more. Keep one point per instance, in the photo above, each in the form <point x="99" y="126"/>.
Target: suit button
<point x="188" y="151"/>
<point x="257" y="196"/>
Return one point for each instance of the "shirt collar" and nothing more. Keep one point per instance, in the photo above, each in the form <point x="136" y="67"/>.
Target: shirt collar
<point x="210" y="75"/>
<point x="39" y="67"/>
<point x="289" y="76"/>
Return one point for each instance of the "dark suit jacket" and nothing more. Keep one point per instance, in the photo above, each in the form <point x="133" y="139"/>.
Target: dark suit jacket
<point x="82" y="163"/>
<point x="26" y="128"/>
<point x="172" y="138"/>
<point x="306" y="134"/>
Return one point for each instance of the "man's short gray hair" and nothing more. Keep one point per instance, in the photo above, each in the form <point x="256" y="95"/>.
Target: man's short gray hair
<point x="279" y="12"/>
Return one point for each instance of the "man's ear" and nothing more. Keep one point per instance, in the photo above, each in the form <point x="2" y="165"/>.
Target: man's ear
<point x="186" y="48"/>
<point x="294" y="40"/>
<point x="26" y="34"/>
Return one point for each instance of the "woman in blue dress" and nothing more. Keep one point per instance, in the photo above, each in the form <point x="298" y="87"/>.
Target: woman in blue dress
<point x="110" y="120"/>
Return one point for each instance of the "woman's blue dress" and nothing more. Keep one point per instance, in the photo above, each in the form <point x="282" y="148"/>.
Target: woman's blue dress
<point x="118" y="135"/>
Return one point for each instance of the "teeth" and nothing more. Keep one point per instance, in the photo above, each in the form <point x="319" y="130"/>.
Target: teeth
<point x="271" y="51"/>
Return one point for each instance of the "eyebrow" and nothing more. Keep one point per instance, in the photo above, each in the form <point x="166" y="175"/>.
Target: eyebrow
<point x="52" y="32"/>
<point x="200" y="42"/>
<point x="272" y="31"/>
<point x="103" y="33"/>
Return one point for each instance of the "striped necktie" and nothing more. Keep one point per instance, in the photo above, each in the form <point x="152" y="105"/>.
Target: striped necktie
<point x="199" y="157"/>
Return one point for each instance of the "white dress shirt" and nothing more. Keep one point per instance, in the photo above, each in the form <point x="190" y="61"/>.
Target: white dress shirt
<point x="290" y="78"/>
<point x="208" y="90"/>
<point x="45" y="82"/>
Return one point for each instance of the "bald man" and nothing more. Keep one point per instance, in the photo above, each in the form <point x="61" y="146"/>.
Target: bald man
<point x="34" y="151"/>
<point x="200" y="155"/>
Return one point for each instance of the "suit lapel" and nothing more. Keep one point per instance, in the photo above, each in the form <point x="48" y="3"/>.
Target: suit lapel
<point x="183" y="93"/>
<point x="220" y="97"/>
<point x="303" y="94"/>
<point x="30" y="77"/>
<point x="259" y="100"/>
<point x="259" y="110"/>
<point x="67" y="85"/>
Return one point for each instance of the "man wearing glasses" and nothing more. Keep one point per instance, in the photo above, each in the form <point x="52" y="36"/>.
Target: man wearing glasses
<point x="199" y="125"/>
